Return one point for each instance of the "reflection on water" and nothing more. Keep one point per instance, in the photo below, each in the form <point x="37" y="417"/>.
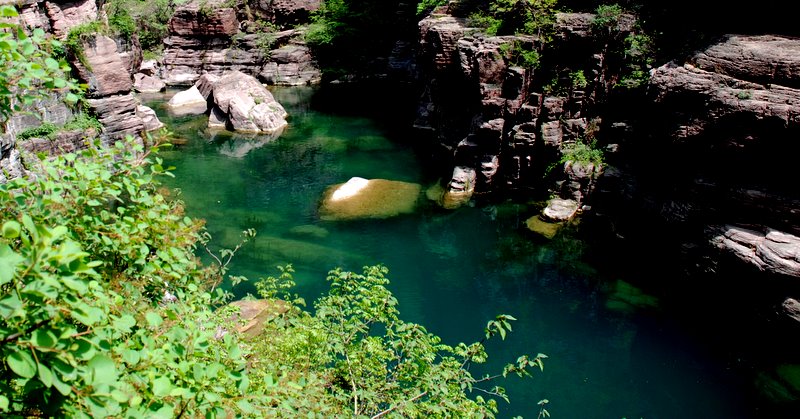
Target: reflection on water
<point x="451" y="271"/>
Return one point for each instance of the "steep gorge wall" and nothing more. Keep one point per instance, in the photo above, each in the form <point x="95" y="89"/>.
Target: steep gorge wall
<point x="212" y="37"/>
<point x="702" y="162"/>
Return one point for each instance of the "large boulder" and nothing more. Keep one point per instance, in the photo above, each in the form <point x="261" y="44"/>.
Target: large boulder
<point x="143" y="83"/>
<point x="249" y="106"/>
<point x="369" y="198"/>
<point x="560" y="209"/>
<point x="291" y="65"/>
<point x="188" y="102"/>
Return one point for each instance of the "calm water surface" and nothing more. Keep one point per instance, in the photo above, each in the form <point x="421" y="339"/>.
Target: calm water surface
<point x="450" y="270"/>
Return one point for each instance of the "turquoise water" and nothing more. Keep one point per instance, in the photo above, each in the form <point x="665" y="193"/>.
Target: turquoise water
<point x="450" y="270"/>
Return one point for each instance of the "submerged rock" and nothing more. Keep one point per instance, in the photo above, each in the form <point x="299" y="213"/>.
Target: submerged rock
<point x="309" y="230"/>
<point x="369" y="198"/>
<point x="627" y="298"/>
<point x="542" y="227"/>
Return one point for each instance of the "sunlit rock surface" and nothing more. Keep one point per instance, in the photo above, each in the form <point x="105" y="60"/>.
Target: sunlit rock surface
<point x="369" y="198"/>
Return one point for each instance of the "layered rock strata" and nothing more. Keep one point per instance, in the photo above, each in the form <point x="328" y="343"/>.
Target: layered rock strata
<point x="212" y="38"/>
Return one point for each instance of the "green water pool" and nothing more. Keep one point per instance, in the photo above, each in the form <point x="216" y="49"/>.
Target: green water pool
<point x="450" y="270"/>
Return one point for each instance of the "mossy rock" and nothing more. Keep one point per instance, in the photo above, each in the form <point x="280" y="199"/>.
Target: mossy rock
<point x="371" y="143"/>
<point x="627" y="298"/>
<point x="360" y="198"/>
<point x="270" y="249"/>
<point x="332" y="144"/>
<point x="435" y="192"/>
<point x="790" y="374"/>
<point x="310" y="231"/>
<point x="541" y="227"/>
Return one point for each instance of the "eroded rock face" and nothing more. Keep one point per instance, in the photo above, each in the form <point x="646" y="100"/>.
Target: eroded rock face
<point x="485" y="111"/>
<point x="290" y="12"/>
<point x="104" y="70"/>
<point x="725" y="114"/>
<point x="65" y="16"/>
<point x="764" y="59"/>
<point x="204" y="19"/>
<point x="767" y="249"/>
<point x="205" y="40"/>
<point x="117" y="113"/>
<point x="291" y="65"/>
<point x="149" y="118"/>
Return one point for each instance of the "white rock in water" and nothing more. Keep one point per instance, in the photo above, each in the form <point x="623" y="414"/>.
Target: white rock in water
<point x="349" y="188"/>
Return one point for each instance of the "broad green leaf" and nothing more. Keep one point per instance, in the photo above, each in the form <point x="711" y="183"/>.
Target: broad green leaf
<point x="119" y="396"/>
<point x="124" y="323"/>
<point x="8" y="263"/>
<point x="162" y="387"/>
<point x="11" y="229"/>
<point x="61" y="386"/>
<point x="44" y="338"/>
<point x="22" y="364"/>
<point x="153" y="319"/>
<point x="3" y="403"/>
<point x="103" y="370"/>
<point x="45" y="376"/>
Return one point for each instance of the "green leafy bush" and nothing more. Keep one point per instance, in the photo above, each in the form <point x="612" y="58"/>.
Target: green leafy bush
<point x="46" y="130"/>
<point x="105" y="311"/>
<point x="582" y="152"/>
<point x="426" y="6"/>
<point x="508" y="17"/>
<point x="28" y="71"/>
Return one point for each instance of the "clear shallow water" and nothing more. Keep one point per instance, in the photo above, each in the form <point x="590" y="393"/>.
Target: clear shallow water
<point x="450" y="270"/>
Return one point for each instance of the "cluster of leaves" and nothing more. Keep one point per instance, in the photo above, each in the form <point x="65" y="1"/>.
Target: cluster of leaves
<point x="28" y="69"/>
<point x="105" y="311"/>
<point x="566" y="81"/>
<point x="583" y="152"/>
<point x="426" y="6"/>
<point x="347" y="35"/>
<point x="148" y="19"/>
<point x="356" y="357"/>
<point x="634" y="50"/>
<point x="81" y="122"/>
<point x="508" y="17"/>
<point x="521" y="54"/>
